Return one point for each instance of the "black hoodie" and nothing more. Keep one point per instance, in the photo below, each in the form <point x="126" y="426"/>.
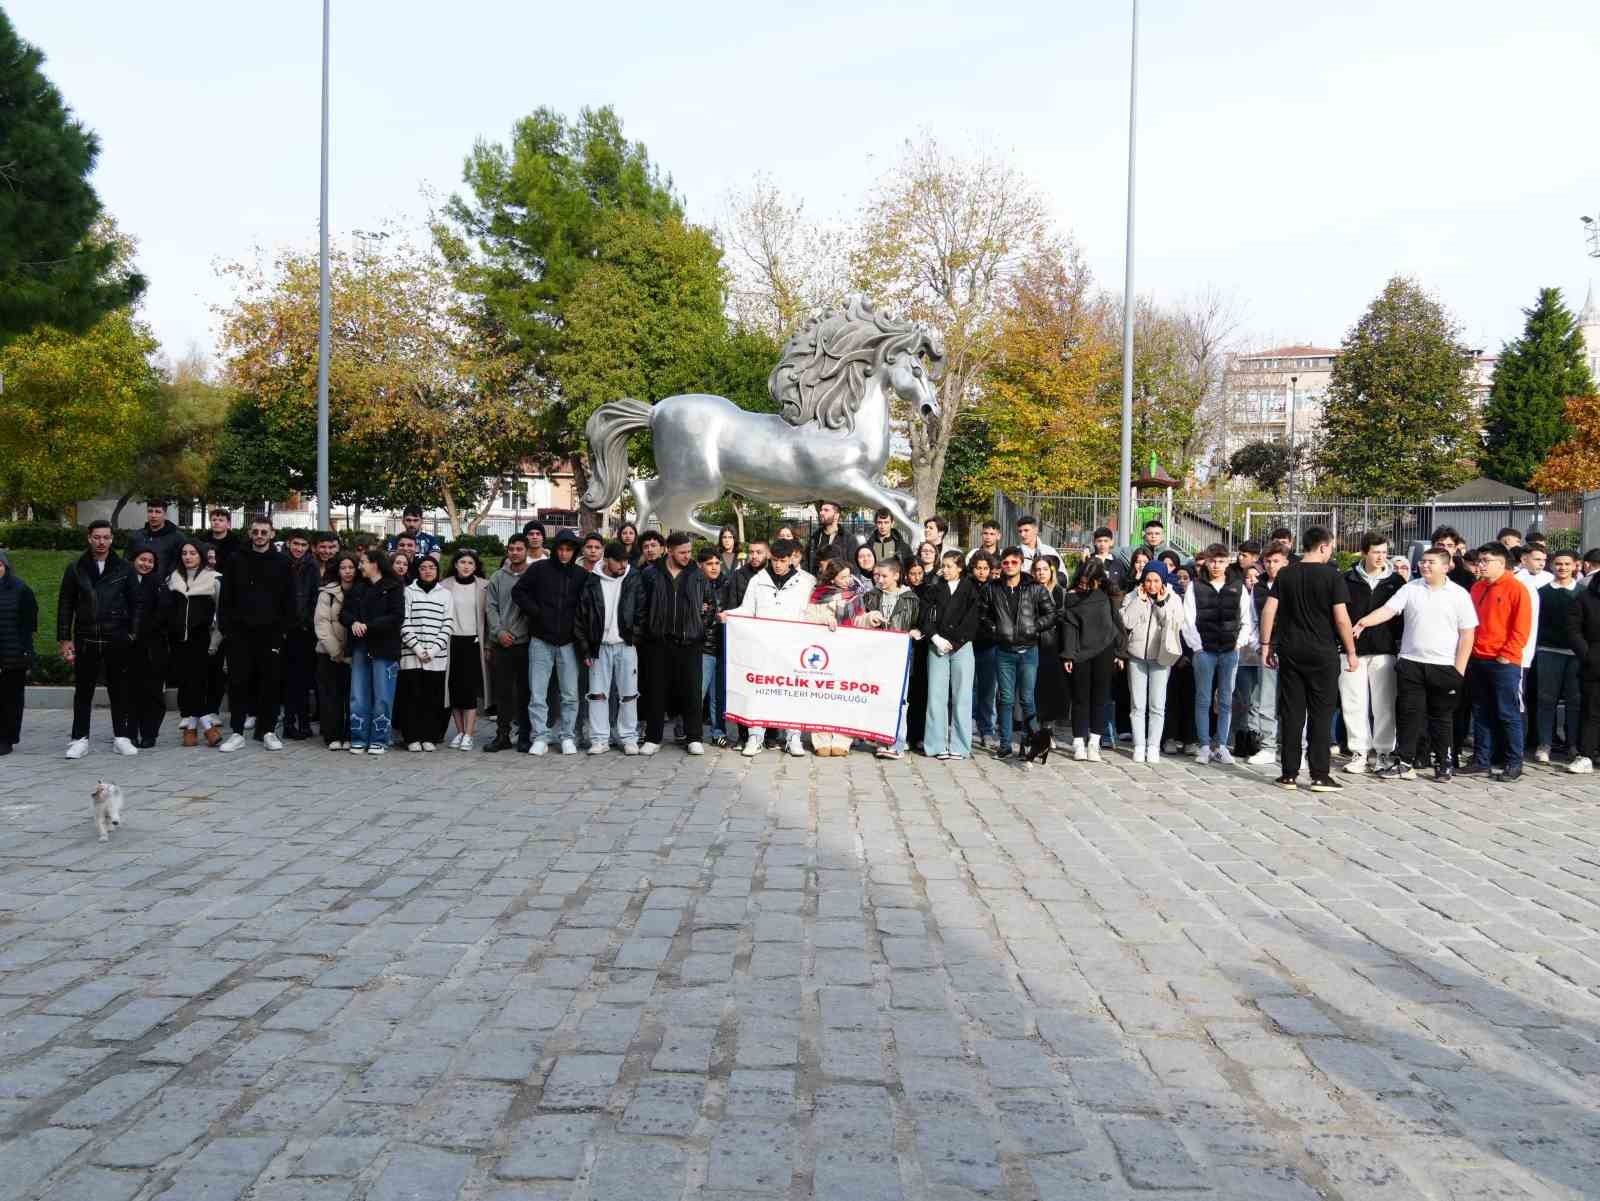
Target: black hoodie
<point x="548" y="593"/>
<point x="256" y="596"/>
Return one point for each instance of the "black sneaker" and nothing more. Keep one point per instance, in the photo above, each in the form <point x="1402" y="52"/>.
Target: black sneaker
<point x="499" y="744"/>
<point x="1443" y="773"/>
<point x="1511" y="774"/>
<point x="1398" y="770"/>
<point x="1287" y="783"/>
<point x="1004" y="752"/>
<point x="1326" y="784"/>
<point x="1472" y="768"/>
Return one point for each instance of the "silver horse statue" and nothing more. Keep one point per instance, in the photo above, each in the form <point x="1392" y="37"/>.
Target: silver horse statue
<point x="829" y="440"/>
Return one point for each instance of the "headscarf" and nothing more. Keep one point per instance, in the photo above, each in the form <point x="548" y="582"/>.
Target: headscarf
<point x="9" y="580"/>
<point x="1156" y="567"/>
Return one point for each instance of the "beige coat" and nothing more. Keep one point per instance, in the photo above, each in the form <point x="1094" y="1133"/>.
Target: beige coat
<point x="481" y="587"/>
<point x="333" y="639"/>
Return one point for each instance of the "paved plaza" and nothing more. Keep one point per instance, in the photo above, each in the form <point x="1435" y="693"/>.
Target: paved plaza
<point x="309" y="976"/>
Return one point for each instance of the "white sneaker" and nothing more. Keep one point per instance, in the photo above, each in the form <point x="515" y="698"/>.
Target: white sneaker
<point x="77" y="748"/>
<point x="429" y="747"/>
<point x="1203" y="756"/>
<point x="414" y="747"/>
<point x="795" y="747"/>
<point x="649" y="748"/>
<point x="1357" y="766"/>
<point x="1222" y="756"/>
<point x="377" y="748"/>
<point x="1170" y="746"/>
<point x="1092" y="749"/>
<point x="455" y="740"/>
<point x="696" y="748"/>
<point x="464" y="745"/>
<point x="271" y="741"/>
<point x="336" y="746"/>
<point x="1079" y="754"/>
<point x="539" y="747"/>
<point x="630" y="748"/>
<point x="233" y="742"/>
<point x="568" y="747"/>
<point x="1581" y="766"/>
<point x="124" y="747"/>
<point x="597" y="748"/>
<point x="250" y="721"/>
<point x="752" y="747"/>
<point x="1152" y="756"/>
<point x="1262" y="758"/>
<point x="1138" y="754"/>
<point x="1541" y="755"/>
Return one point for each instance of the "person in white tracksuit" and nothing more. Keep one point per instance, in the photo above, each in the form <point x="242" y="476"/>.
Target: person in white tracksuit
<point x="782" y="591"/>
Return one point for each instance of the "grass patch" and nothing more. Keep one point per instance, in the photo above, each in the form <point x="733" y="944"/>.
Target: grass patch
<point x="42" y="570"/>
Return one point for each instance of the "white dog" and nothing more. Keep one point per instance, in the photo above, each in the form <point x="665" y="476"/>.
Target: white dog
<point x="107" y="808"/>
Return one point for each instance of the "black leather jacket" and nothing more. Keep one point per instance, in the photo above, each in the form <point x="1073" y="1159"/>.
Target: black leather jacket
<point x="97" y="606"/>
<point x="676" y="610"/>
<point x="589" y="625"/>
<point x="1018" y="615"/>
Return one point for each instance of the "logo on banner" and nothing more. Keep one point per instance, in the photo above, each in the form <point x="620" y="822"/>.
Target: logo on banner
<point x="814" y="658"/>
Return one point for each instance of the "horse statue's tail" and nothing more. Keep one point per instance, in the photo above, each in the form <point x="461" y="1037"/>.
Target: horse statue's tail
<point x="607" y="432"/>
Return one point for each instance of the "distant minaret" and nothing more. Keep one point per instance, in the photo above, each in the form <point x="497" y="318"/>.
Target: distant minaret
<point x="1589" y="327"/>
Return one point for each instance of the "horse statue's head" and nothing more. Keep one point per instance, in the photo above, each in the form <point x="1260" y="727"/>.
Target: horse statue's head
<point x="829" y="361"/>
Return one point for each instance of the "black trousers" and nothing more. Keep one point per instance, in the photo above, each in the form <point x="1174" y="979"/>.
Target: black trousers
<point x="421" y="713"/>
<point x="93" y="660"/>
<point x="147" y="688"/>
<point x="1426" y="696"/>
<point x="217" y="678"/>
<point x="673" y="681"/>
<point x="510" y="681"/>
<point x="333" y="699"/>
<point x="299" y="677"/>
<point x="1091" y="689"/>
<point x="191" y="667"/>
<point x="1308" y="689"/>
<point x="255" y="673"/>
<point x="1590" y="741"/>
<point x="13" y="690"/>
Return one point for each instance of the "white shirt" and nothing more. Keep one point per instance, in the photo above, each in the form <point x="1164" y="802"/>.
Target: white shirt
<point x="1247" y="616"/>
<point x="1532" y="583"/>
<point x="611" y="594"/>
<point x="1030" y="553"/>
<point x="1434" y="620"/>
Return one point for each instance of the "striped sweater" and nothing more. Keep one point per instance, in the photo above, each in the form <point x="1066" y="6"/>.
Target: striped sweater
<point x="426" y="627"/>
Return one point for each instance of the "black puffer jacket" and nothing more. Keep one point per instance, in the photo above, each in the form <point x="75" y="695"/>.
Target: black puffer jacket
<point x="1365" y="598"/>
<point x="589" y="623"/>
<point x="256" y="595"/>
<point x="1089" y="624"/>
<point x="719" y="588"/>
<point x="96" y="606"/>
<point x="739" y="583"/>
<point x="149" y="630"/>
<point x="1583" y="629"/>
<point x="1050" y="636"/>
<point x="305" y="579"/>
<point x="1017" y="615"/>
<point x="677" y="609"/>
<point x="548" y="593"/>
<point x="19" y="619"/>
<point x="953" y="615"/>
<point x="382" y="608"/>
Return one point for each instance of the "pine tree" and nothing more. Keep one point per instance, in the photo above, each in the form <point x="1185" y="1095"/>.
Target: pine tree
<point x="54" y="268"/>
<point x="1398" y="417"/>
<point x="1535" y="376"/>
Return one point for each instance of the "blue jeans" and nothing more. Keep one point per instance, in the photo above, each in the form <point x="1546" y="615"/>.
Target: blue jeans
<point x="372" y="682"/>
<point x="1219" y="666"/>
<point x="711" y="690"/>
<point x="1558" y="683"/>
<point x="949" y="694"/>
<point x="1015" y="672"/>
<point x="983" y="683"/>
<point x="1496" y="711"/>
<point x="563" y="660"/>
<point x="1147" y="687"/>
<point x="1265" y="707"/>
<point x="1244" y="695"/>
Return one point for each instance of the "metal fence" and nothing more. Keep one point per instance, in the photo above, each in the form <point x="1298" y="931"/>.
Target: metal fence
<point x="1068" y="522"/>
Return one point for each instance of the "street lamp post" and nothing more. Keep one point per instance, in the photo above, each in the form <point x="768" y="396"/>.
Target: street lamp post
<point x="1128" y="299"/>
<point x="324" y="501"/>
<point x="1293" y="380"/>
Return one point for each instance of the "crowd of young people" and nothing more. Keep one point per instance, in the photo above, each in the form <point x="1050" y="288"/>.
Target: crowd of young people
<point x="1270" y="652"/>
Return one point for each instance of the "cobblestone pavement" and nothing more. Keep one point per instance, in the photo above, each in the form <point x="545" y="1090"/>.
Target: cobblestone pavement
<point x="311" y="977"/>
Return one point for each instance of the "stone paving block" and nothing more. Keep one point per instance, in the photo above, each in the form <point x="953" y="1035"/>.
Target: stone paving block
<point x="465" y="1116"/>
<point x="684" y="1049"/>
<point x="413" y="1173"/>
<point x="959" y="1151"/>
<point x="32" y="1157"/>
<point x="759" y="1093"/>
<point x="333" y="1155"/>
<point x="853" y="1055"/>
<point x="96" y="1184"/>
<point x="547" y="1146"/>
<point x="293" y="1101"/>
<point x="751" y="1154"/>
<point x="110" y="1098"/>
<point x="247" y="1157"/>
<point x="135" y="1019"/>
<point x="193" y="1040"/>
<point x="309" y="1011"/>
<point x="181" y="1116"/>
<point x="581" y="1081"/>
<point x="664" y="1105"/>
<point x="1152" y="1155"/>
<point x="92" y="996"/>
<point x="629" y="1171"/>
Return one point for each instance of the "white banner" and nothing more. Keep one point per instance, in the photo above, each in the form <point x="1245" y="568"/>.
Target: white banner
<point x="792" y="675"/>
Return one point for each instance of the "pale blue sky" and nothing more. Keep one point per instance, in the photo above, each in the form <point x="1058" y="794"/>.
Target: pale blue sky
<point x="1293" y="155"/>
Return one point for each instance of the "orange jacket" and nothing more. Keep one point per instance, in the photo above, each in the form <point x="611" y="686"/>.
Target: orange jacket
<point x="1505" y="619"/>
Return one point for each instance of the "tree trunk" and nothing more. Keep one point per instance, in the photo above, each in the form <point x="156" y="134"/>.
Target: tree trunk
<point x="738" y="519"/>
<point x="355" y="516"/>
<point x="483" y="511"/>
<point x="451" y="509"/>
<point x="116" y="510"/>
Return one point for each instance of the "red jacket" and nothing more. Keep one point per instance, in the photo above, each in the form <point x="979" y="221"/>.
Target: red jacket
<point x="1505" y="619"/>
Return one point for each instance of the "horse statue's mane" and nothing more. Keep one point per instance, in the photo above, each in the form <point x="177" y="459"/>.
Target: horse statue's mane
<point x="826" y="362"/>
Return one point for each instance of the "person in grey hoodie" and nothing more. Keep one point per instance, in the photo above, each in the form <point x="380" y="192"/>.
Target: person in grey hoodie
<point x="508" y="641"/>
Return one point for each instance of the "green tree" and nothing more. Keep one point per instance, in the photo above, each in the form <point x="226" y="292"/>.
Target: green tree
<point x="1398" y="419"/>
<point x="253" y="464"/>
<point x="1535" y="376"/>
<point x="76" y="412"/>
<point x="56" y="268"/>
<point x="966" y="486"/>
<point x="1268" y="464"/>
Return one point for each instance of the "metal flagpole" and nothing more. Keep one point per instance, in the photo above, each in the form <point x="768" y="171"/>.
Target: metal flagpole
<point x="1128" y="300"/>
<point x="324" y="502"/>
